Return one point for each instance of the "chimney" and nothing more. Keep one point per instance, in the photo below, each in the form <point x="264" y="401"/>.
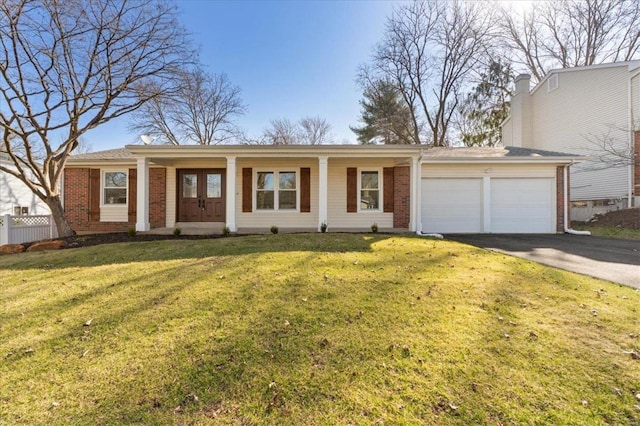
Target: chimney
<point x="521" y="113"/>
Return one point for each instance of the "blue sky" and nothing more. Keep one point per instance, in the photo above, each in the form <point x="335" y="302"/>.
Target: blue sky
<point x="291" y="59"/>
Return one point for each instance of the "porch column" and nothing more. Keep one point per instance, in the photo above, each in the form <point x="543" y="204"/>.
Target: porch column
<point x="231" y="194"/>
<point x="416" y="182"/>
<point x="142" y="207"/>
<point x="323" y="185"/>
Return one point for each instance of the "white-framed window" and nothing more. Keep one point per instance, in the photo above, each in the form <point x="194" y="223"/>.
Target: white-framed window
<point x="276" y="190"/>
<point x="370" y="190"/>
<point x="114" y="188"/>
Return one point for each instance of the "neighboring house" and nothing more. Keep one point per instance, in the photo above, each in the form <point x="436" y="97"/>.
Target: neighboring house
<point x="348" y="187"/>
<point x="580" y="110"/>
<point x="15" y="197"/>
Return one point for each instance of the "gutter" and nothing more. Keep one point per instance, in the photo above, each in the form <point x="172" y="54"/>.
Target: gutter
<point x="565" y="194"/>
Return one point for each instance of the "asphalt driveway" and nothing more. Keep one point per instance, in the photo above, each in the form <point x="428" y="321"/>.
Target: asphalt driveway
<point x="606" y="258"/>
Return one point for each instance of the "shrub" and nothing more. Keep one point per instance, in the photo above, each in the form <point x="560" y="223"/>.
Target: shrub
<point x="274" y="229"/>
<point x="132" y="232"/>
<point x="226" y="231"/>
<point x="177" y="231"/>
<point x="374" y="228"/>
<point x="323" y="227"/>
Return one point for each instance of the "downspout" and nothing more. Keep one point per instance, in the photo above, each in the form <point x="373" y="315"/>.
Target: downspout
<point x="565" y="194"/>
<point x="630" y="197"/>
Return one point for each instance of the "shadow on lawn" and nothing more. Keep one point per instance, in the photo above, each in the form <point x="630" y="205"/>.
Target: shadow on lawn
<point x="168" y="249"/>
<point x="166" y="353"/>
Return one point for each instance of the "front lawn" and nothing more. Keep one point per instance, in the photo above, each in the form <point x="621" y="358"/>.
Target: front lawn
<point x="311" y="329"/>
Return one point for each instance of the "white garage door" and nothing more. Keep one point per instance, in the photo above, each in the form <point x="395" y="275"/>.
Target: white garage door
<point x="522" y="205"/>
<point x="451" y="205"/>
<point x="514" y="205"/>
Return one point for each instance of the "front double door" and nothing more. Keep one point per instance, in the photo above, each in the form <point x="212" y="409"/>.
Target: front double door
<point x="201" y="195"/>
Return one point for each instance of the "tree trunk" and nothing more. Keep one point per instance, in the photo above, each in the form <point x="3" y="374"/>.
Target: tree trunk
<point x="62" y="223"/>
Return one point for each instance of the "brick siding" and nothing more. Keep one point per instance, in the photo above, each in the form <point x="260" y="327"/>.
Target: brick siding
<point x="560" y="206"/>
<point x="76" y="201"/>
<point x="401" y="197"/>
<point x="157" y="197"/>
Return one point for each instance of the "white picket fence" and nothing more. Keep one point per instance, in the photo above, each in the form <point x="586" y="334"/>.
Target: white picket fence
<point x="23" y="229"/>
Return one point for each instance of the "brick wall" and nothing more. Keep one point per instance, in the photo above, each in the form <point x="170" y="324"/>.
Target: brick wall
<point x="76" y="196"/>
<point x="560" y="206"/>
<point x="76" y="201"/>
<point x="636" y="164"/>
<point x="157" y="197"/>
<point x="401" y="197"/>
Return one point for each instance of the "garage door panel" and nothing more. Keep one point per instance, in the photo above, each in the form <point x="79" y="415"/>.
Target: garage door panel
<point x="522" y="205"/>
<point x="451" y="205"/>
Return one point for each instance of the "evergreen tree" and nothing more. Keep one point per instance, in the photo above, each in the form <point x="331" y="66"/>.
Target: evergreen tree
<point x="487" y="106"/>
<point x="385" y="116"/>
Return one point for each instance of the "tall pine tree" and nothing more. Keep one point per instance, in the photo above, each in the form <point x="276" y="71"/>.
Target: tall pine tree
<point x="487" y="106"/>
<point x="385" y="116"/>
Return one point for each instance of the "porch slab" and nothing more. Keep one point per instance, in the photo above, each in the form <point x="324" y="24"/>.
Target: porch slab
<point x="190" y="228"/>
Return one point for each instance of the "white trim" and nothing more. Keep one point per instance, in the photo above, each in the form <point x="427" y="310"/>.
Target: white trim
<point x="323" y="191"/>
<point x="230" y="214"/>
<point x="142" y="195"/>
<point x="379" y="170"/>
<point x="103" y="187"/>
<point x="276" y="189"/>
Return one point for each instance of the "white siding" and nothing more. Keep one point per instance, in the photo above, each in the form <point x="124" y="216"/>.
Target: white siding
<point x="282" y="219"/>
<point x="492" y="170"/>
<point x="337" y="205"/>
<point x="588" y="105"/>
<point x="114" y="214"/>
<point x="14" y="193"/>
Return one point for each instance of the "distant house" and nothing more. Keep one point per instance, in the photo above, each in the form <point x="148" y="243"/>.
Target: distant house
<point x="577" y="110"/>
<point x="347" y="187"/>
<point x="15" y="197"/>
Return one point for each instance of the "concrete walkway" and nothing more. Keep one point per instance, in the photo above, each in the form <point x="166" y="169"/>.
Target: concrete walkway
<point x="610" y="259"/>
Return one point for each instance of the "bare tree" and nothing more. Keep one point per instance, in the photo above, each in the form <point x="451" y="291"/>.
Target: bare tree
<point x="611" y="148"/>
<point x="281" y="131"/>
<point x="202" y="111"/>
<point x="69" y="66"/>
<point x="563" y="34"/>
<point x="429" y="50"/>
<point x="314" y="131"/>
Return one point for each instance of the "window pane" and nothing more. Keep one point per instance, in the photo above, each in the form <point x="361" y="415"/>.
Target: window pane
<point x="287" y="180"/>
<point x="190" y="186"/>
<point x="115" y="196"/>
<point x="287" y="200"/>
<point x="115" y="180"/>
<point x="369" y="180"/>
<point x="265" y="180"/>
<point x="369" y="199"/>
<point x="264" y="200"/>
<point x="214" y="185"/>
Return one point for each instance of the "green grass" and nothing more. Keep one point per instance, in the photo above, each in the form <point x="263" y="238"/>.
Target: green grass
<point x="317" y="329"/>
<point x="609" y="231"/>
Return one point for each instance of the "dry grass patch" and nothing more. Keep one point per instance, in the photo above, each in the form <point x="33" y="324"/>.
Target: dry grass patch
<point x="311" y="329"/>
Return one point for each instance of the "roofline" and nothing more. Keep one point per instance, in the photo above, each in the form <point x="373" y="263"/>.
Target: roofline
<point x="216" y="151"/>
<point x="507" y="160"/>
<point x="631" y="65"/>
